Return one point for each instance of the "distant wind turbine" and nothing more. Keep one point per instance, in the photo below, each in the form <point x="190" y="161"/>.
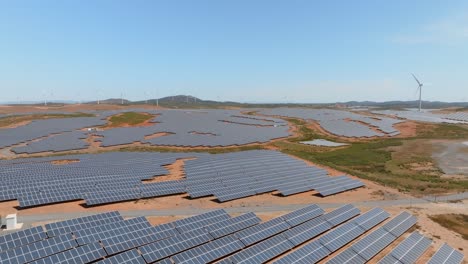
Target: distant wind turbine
<point x="420" y="85"/>
<point x="44" y="93"/>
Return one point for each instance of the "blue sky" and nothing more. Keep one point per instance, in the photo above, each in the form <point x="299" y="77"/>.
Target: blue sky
<point x="243" y="50"/>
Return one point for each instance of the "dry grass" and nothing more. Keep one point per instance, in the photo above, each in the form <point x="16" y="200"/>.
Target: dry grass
<point x="129" y="119"/>
<point x="455" y="222"/>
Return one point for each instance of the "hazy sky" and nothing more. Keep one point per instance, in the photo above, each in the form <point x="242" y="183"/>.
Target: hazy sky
<point x="243" y="50"/>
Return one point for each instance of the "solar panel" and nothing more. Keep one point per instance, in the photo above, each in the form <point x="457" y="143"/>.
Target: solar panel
<point x="39" y="249"/>
<point x="398" y="225"/>
<point x="299" y="216"/>
<point x="347" y="256"/>
<point x="408" y="251"/>
<point x="446" y="254"/>
<point x="211" y="251"/>
<point x="372" y="244"/>
<point x="76" y="224"/>
<point x="262" y="231"/>
<point x="340" y="186"/>
<point x="263" y="251"/>
<point x="232" y="194"/>
<point x="112" y="197"/>
<point x="114" y="177"/>
<point x="34" y="199"/>
<point x="310" y="253"/>
<point x="127" y="257"/>
<point x="341" y="214"/>
<point x="84" y="254"/>
<point x="164" y="261"/>
<point x="97" y="233"/>
<point x="201" y="220"/>
<point x="22" y="238"/>
<point x="232" y="225"/>
<point x="371" y="218"/>
<point x="173" y="245"/>
<point x="295" y="188"/>
<point x="307" y="230"/>
<point x="135" y="238"/>
<point x="340" y="236"/>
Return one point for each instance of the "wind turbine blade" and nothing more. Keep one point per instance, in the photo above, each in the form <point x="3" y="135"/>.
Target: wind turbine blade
<point x="416" y="80"/>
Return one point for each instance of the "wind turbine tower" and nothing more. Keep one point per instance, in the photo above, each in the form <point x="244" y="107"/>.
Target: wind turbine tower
<point x="420" y="85"/>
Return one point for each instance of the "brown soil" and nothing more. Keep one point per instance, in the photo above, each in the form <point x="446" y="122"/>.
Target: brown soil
<point x="245" y="124"/>
<point x="64" y="162"/>
<point x="202" y="133"/>
<point x="159" y="134"/>
<point x="176" y="172"/>
<point x="407" y="129"/>
<point x="16" y="124"/>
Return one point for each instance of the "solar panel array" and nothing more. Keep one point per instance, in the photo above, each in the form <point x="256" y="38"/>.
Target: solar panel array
<point x="369" y="246"/>
<point x="408" y="251"/>
<point x="446" y="254"/>
<point x="62" y="142"/>
<point x="188" y="128"/>
<point x="42" y="128"/>
<point x="235" y="175"/>
<point x="102" y="178"/>
<point x="341" y="123"/>
<point x="208" y="128"/>
<point x="427" y="116"/>
<point x="107" y="238"/>
<point x="113" y="177"/>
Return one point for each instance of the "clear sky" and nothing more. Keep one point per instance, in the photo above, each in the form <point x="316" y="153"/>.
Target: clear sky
<point x="243" y="50"/>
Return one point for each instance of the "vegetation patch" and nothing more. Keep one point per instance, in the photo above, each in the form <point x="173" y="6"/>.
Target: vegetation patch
<point x="129" y="119"/>
<point x="404" y="164"/>
<point x="455" y="222"/>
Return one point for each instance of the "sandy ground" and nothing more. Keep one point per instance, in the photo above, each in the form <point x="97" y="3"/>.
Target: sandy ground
<point x="407" y="129"/>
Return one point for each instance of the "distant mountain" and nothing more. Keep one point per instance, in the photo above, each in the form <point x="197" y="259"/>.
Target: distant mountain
<point x="111" y="101"/>
<point x="188" y="101"/>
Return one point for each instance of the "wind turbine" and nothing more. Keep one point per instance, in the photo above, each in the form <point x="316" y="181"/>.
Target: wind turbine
<point x="420" y="85"/>
<point x="44" y="93"/>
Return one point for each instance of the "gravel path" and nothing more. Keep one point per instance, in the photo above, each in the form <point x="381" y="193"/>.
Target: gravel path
<point x="29" y="219"/>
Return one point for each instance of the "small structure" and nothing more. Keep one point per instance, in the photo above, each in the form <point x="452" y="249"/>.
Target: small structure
<point x="324" y="143"/>
<point x="12" y="223"/>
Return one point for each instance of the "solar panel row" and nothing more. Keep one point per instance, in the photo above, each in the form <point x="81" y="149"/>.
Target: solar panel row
<point x="113" y="177"/>
<point x="218" y="237"/>
<point x="408" y="251"/>
<point x="367" y="247"/>
<point x="341" y="123"/>
<point x="446" y="254"/>
<point x="21" y="238"/>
